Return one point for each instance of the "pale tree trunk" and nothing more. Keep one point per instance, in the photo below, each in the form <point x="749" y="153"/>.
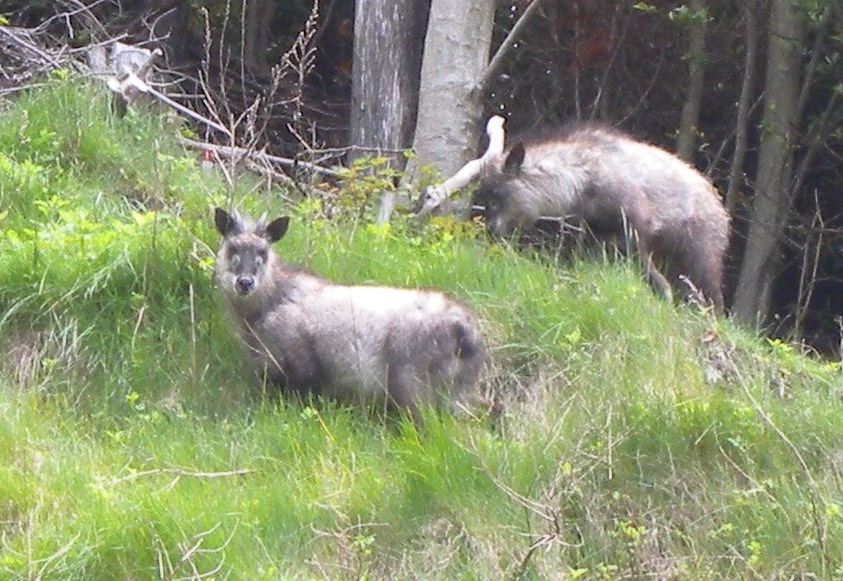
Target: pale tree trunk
<point x="388" y="41"/>
<point x="456" y="53"/>
<point x="775" y="163"/>
<point x="696" y="81"/>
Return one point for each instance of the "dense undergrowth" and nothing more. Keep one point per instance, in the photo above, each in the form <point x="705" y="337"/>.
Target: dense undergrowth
<point x="639" y="439"/>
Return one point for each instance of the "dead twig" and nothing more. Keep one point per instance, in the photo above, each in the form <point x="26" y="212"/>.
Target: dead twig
<point x="233" y="152"/>
<point x="180" y="472"/>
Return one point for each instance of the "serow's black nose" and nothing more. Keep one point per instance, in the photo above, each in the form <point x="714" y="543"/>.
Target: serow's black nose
<point x="245" y="284"/>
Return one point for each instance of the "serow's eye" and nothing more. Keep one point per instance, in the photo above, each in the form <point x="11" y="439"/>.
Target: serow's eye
<point x="234" y="259"/>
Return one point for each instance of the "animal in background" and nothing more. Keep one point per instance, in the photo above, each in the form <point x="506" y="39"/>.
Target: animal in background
<point x="404" y="348"/>
<point x="624" y="190"/>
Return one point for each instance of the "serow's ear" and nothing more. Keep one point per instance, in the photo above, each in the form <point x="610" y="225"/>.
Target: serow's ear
<point x="226" y="223"/>
<point x="276" y="229"/>
<point x="515" y="159"/>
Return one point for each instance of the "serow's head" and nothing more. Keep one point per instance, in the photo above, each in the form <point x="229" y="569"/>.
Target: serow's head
<point x="245" y="255"/>
<point x="498" y="194"/>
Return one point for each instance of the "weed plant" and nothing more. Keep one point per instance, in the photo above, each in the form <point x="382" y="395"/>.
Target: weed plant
<point x="638" y="439"/>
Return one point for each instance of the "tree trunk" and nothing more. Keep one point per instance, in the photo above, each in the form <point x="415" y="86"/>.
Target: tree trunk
<point x="773" y="179"/>
<point x="388" y="41"/>
<point x="256" y="35"/>
<point x="736" y="177"/>
<point x="696" y="81"/>
<point x="456" y="52"/>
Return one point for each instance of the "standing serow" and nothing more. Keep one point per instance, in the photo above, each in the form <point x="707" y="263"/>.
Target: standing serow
<point x="623" y="189"/>
<point x="403" y="348"/>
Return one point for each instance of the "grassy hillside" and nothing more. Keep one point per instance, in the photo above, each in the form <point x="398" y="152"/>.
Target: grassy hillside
<point x="639" y="439"/>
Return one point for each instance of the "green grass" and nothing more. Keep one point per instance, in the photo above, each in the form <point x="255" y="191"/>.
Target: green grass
<point x="639" y="439"/>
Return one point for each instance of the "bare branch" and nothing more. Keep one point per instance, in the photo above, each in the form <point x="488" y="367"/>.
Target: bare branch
<point x="20" y="38"/>
<point x="231" y="152"/>
<point x="133" y="81"/>
<point x="505" y="47"/>
<point x="178" y="472"/>
<point x="474" y="169"/>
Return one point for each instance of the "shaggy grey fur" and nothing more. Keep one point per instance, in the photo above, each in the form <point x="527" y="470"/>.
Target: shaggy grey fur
<point x="402" y="347"/>
<point x="616" y="185"/>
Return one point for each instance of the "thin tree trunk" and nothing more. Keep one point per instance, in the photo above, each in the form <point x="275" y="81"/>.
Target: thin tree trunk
<point x="773" y="181"/>
<point x="256" y="34"/>
<point x="696" y="82"/>
<point x="736" y="177"/>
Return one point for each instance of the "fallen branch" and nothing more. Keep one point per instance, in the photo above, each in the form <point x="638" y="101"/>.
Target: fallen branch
<point x="178" y="472"/>
<point x="229" y="152"/>
<point x="490" y="161"/>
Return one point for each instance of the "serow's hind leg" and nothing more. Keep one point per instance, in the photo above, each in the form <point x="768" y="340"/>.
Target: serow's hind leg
<point x="402" y="385"/>
<point x="657" y="280"/>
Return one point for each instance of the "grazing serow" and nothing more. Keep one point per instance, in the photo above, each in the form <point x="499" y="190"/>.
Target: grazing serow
<point x="622" y="189"/>
<point x="402" y="347"/>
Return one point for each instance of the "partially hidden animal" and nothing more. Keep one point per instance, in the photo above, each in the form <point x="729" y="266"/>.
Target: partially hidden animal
<point x="405" y="348"/>
<point x="622" y="189"/>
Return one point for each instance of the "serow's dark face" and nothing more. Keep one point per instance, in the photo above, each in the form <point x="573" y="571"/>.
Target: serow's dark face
<point x="242" y="262"/>
<point x="501" y="216"/>
<point x="245" y="257"/>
